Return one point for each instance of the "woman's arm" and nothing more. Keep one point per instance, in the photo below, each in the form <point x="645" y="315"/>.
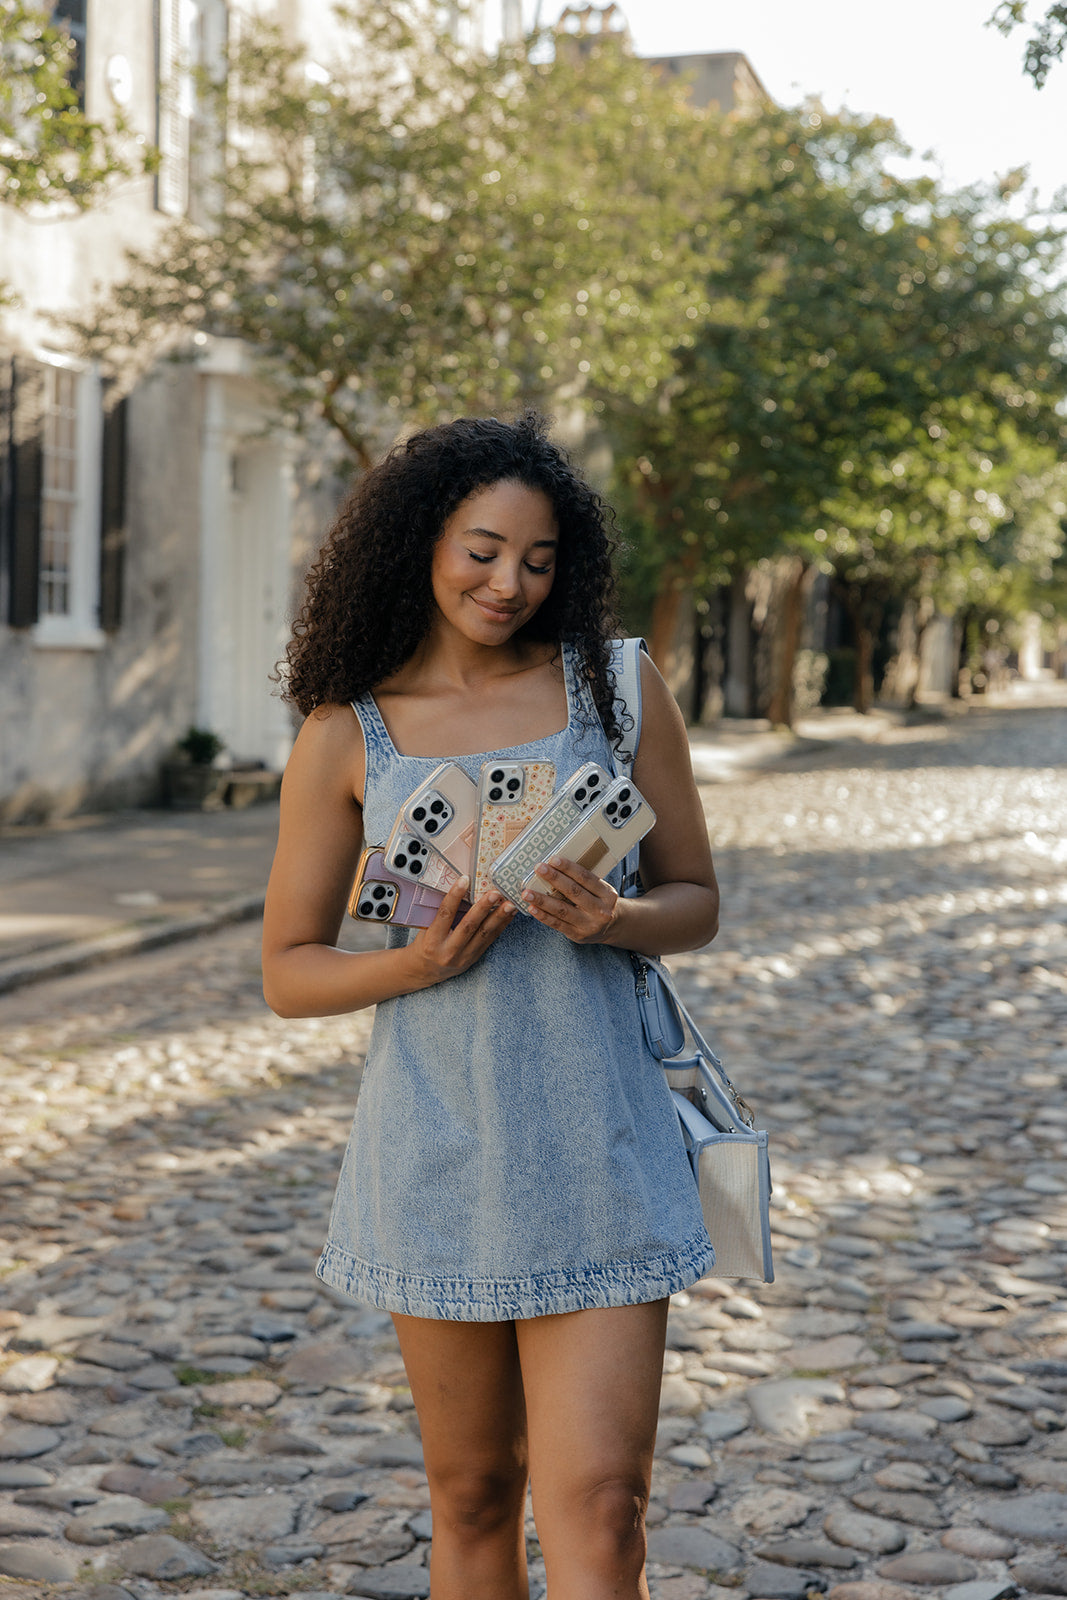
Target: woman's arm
<point x="680" y="909"/>
<point x="319" y="842"/>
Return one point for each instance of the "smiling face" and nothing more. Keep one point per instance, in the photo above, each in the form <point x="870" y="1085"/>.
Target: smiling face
<point x="494" y="562"/>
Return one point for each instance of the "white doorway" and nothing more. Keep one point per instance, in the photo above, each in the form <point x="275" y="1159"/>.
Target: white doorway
<point x="246" y="491"/>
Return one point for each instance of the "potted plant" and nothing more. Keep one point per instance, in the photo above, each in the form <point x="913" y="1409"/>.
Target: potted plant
<point x="191" y="778"/>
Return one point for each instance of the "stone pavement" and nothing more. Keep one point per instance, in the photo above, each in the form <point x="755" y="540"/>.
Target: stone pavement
<point x="187" y="1411"/>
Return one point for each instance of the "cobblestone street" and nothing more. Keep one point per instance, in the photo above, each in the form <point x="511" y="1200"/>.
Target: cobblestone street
<point x="187" y="1411"/>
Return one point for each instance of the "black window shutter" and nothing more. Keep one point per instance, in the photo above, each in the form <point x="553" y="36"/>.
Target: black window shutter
<point x="113" y="516"/>
<point x="26" y="468"/>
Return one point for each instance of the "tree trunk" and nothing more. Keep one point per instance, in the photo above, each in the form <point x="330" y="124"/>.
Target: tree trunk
<point x="780" y="709"/>
<point x="665" y="610"/>
<point x="739" y="681"/>
<point x="863" y="687"/>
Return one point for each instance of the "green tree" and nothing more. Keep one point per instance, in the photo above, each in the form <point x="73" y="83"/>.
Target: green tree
<point x="50" y="151"/>
<point x="1047" y="41"/>
<point x="418" y="231"/>
<point x="870" y="342"/>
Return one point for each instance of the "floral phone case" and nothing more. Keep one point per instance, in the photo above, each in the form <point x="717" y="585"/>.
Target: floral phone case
<point x="542" y="837"/>
<point x="606" y="833"/>
<point x="378" y="896"/>
<point x="510" y="795"/>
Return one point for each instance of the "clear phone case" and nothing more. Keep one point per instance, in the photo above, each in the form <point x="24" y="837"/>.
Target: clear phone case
<point x="443" y="812"/>
<point x="606" y="833"/>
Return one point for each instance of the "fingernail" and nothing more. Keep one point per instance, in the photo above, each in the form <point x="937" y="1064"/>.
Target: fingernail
<point x="464" y="882"/>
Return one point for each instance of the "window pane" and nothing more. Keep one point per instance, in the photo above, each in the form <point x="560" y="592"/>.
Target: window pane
<point x="59" y="499"/>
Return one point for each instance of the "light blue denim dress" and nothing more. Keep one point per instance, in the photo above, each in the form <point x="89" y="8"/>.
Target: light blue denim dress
<point x="515" y="1151"/>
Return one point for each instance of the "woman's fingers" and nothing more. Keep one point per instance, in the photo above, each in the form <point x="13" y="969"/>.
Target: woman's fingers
<point x="581" y="905"/>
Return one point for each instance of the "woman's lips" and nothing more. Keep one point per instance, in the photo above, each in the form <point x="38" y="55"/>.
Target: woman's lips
<point x="497" y="613"/>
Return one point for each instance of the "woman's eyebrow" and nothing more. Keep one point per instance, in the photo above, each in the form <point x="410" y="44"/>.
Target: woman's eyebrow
<point x="487" y="533"/>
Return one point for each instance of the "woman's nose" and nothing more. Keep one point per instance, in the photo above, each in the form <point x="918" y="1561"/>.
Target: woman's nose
<point x="505" y="579"/>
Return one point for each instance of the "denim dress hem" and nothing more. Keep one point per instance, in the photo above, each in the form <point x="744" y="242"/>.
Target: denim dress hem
<point x="580" y="1288"/>
<point x="515" y="1151"/>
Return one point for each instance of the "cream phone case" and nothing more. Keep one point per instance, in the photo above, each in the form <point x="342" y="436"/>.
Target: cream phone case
<point x="443" y="812"/>
<point x="410" y="857"/>
<point x="542" y="837"/>
<point x="510" y="795"/>
<point x="605" y="834"/>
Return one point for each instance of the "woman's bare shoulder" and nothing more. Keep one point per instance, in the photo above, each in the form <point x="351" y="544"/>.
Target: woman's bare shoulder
<point x="330" y="749"/>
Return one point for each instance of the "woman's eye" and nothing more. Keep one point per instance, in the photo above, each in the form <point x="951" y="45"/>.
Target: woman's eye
<point x="481" y="560"/>
<point x="538" y="571"/>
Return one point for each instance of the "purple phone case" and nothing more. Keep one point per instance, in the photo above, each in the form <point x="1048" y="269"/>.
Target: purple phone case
<point x="416" y="903"/>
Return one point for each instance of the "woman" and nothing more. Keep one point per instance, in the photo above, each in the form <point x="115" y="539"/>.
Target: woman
<point x="515" y="1190"/>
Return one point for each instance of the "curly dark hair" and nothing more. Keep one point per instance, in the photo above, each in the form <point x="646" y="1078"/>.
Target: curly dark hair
<point x="351" y="635"/>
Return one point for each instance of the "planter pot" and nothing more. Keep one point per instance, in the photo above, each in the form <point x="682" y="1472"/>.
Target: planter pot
<point x="191" y="787"/>
<point x="250" y="785"/>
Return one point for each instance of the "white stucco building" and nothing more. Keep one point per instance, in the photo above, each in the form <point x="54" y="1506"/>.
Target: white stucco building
<point x="148" y="543"/>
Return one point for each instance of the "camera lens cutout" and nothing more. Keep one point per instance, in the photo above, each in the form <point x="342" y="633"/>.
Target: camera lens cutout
<point x="625" y="811"/>
<point x="437" y="807"/>
<point x="419" y="813"/>
<point x="400" y="862"/>
<point x="416" y="867"/>
<point x="497" y="775"/>
<point x="514" y="785"/>
<point x="432" y="825"/>
<point x="579" y="795"/>
<point x="496" y="792"/>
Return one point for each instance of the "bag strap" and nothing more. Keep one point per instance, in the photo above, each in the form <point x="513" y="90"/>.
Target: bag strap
<point x="625" y="666"/>
<point x="642" y="966"/>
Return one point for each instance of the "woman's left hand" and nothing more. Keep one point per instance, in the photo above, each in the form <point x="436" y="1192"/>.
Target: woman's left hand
<point x="581" y="906"/>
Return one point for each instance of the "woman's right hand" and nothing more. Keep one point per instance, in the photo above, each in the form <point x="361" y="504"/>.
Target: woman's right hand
<point x="443" y="950"/>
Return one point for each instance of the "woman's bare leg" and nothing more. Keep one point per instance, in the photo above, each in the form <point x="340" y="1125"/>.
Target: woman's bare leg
<point x="467" y="1388"/>
<point x="592" y="1384"/>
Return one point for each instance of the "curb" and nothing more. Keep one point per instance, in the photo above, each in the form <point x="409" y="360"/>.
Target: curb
<point x="126" y="942"/>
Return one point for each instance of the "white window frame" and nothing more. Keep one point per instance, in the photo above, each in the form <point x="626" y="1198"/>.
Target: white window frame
<point x="80" y="628"/>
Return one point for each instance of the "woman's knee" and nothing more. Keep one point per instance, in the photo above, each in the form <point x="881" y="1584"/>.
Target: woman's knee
<point x="611" y="1512"/>
<point x="473" y="1502"/>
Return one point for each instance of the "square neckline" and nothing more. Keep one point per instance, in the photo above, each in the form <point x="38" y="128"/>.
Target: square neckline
<point x="497" y="750"/>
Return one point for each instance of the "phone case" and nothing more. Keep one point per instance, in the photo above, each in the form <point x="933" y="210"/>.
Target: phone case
<point x="378" y="896"/>
<point x="510" y="795"/>
<point x="408" y="856"/>
<point x="443" y="812"/>
<point x="542" y="837"/>
<point x="606" y="833"/>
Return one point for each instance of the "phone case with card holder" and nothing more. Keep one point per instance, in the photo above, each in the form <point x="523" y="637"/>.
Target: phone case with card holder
<point x="378" y="896"/>
<point x="606" y="833"/>
<point x="408" y="856"/>
<point x="510" y="795"/>
<point x="443" y="812"/>
<point x="542" y="837"/>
